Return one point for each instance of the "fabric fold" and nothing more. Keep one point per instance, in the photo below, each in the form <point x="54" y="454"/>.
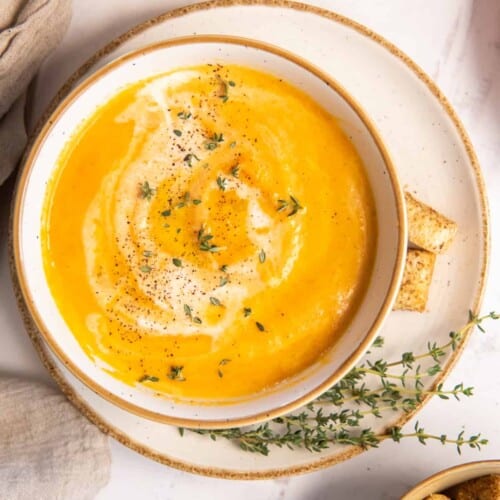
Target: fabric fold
<point x="29" y="31"/>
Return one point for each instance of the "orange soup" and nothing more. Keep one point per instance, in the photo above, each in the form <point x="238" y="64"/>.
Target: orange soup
<point x="208" y="233"/>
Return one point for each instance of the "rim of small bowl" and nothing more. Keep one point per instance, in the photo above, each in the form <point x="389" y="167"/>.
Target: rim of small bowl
<point x="385" y="309"/>
<point x="452" y="476"/>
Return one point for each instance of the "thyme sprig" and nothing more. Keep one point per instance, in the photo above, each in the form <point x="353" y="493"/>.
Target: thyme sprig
<point x="342" y="415"/>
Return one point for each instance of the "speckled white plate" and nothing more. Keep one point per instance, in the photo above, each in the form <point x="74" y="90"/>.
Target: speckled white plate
<point x="434" y="158"/>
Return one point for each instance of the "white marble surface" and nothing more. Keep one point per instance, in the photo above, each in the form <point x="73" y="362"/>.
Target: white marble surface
<point x="457" y="42"/>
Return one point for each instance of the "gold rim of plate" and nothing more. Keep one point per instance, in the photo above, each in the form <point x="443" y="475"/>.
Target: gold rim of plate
<point x="35" y="334"/>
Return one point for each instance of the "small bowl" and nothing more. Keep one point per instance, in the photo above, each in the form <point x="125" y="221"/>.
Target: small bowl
<point x="453" y="476"/>
<point x="162" y="57"/>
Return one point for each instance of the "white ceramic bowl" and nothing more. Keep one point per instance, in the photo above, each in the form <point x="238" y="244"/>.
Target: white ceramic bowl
<point x="159" y="58"/>
<point x="452" y="477"/>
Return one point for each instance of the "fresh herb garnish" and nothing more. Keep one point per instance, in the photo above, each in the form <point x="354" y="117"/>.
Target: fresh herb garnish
<point x="146" y="191"/>
<point x="247" y="311"/>
<point x="185" y="200"/>
<point x="177" y="132"/>
<point x="223" y="281"/>
<point x="222" y="362"/>
<point x="145" y="269"/>
<point x="221" y="182"/>
<point x="215" y="301"/>
<point x="214" y="141"/>
<point x="204" y="242"/>
<point x="189" y="313"/>
<point x="188" y="159"/>
<point x="148" y="378"/>
<point x="176" y="373"/>
<point x="293" y="204"/>
<point x="223" y="268"/>
<point x="166" y="213"/>
<point x="196" y="202"/>
<point x="260" y="326"/>
<point x="262" y="256"/>
<point x="177" y="262"/>
<point x="147" y="253"/>
<point x="337" y="417"/>
<point x="231" y="83"/>
<point x="183" y="115"/>
<point x="235" y="170"/>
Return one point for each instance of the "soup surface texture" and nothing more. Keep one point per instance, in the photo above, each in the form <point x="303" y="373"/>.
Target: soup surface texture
<point x="208" y="233"/>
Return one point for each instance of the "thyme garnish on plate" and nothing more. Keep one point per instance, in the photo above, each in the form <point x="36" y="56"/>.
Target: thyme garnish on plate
<point x="369" y="390"/>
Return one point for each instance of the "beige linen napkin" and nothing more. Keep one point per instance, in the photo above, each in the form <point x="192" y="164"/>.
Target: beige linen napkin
<point x="29" y="31"/>
<point x="48" y="450"/>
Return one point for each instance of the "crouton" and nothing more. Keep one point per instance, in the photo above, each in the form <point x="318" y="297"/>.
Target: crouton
<point x="427" y="228"/>
<point x="416" y="282"/>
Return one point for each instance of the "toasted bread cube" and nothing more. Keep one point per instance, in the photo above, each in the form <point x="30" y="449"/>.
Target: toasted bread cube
<point x="427" y="228"/>
<point x="416" y="283"/>
<point x="482" y="488"/>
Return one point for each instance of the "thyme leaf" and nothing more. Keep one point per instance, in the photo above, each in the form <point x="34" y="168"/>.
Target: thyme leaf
<point x="148" y="378"/>
<point x="292" y="203"/>
<point x="146" y="191"/>
<point x="176" y="373"/>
